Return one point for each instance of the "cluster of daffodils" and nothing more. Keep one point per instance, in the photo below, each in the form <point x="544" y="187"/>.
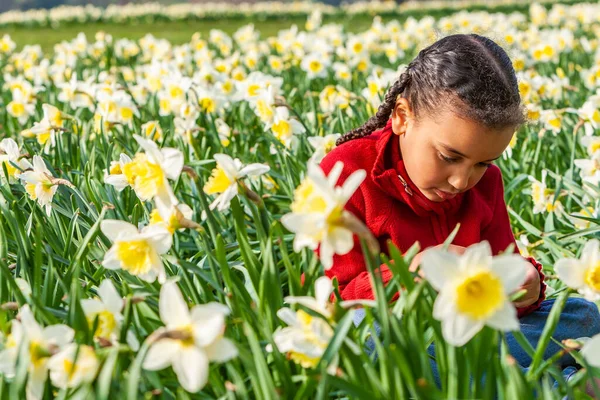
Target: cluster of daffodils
<point x="318" y="217"/>
<point x="46" y="351"/>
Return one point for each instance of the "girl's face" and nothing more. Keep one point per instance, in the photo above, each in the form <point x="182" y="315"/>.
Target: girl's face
<point x="448" y="155"/>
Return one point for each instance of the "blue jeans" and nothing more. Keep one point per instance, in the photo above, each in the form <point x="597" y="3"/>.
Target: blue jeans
<point x="580" y="318"/>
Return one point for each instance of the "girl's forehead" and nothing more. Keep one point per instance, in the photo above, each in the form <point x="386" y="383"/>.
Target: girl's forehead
<point x="465" y="137"/>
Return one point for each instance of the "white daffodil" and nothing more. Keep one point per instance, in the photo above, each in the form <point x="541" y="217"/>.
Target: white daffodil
<point x="115" y="175"/>
<point x="473" y="290"/>
<point x="590" y="169"/>
<point x="189" y="340"/>
<point x="73" y="366"/>
<point x="137" y="252"/>
<point x="175" y="217"/>
<point x="107" y="311"/>
<point x="10" y="158"/>
<point x="318" y="216"/>
<point x="305" y="339"/>
<point x="20" y="107"/>
<point x="225" y="177"/>
<point x="582" y="274"/>
<point x="39" y="183"/>
<point x="34" y="345"/>
<point x="591" y="351"/>
<point x="322" y="145"/>
<point x="284" y="128"/>
<point x="152" y="130"/>
<point x="542" y="196"/>
<point x="149" y="171"/>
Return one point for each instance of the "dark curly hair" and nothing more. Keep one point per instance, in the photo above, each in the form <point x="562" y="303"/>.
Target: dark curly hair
<point x="469" y="73"/>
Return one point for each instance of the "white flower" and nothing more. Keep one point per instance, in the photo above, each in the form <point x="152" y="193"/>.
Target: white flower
<point x="190" y="339"/>
<point x="283" y="127"/>
<point x="542" y="196"/>
<point x="9" y="155"/>
<point x="37" y="344"/>
<point x="148" y="172"/>
<point x="315" y="65"/>
<point x="115" y="175"/>
<point x="107" y="311"/>
<point x="136" y="252"/>
<point x="322" y="145"/>
<point x="474" y="290"/>
<point x="582" y="274"/>
<point x="73" y="366"/>
<point x="39" y="183"/>
<point x="224" y="179"/>
<point x="318" y="216"/>
<point x="20" y="107"/>
<point x="591" y="351"/>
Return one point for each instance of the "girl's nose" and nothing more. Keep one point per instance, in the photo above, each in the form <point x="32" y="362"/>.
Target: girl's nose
<point x="460" y="179"/>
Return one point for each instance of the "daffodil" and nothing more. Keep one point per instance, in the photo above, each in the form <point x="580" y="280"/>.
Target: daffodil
<point x="20" y="107"/>
<point x="225" y="177"/>
<point x="107" y="312"/>
<point x="152" y="130"/>
<point x="115" y="175"/>
<point x="591" y="351"/>
<point x="148" y="172"/>
<point x="318" y="217"/>
<point x="137" y="252"/>
<point x="73" y="366"/>
<point x="542" y="196"/>
<point x="322" y="145"/>
<point x="173" y="217"/>
<point x="10" y="158"/>
<point x="189" y="340"/>
<point x="582" y="274"/>
<point x="39" y="184"/>
<point x="315" y="66"/>
<point x="474" y="290"/>
<point x="34" y="345"/>
<point x="284" y="128"/>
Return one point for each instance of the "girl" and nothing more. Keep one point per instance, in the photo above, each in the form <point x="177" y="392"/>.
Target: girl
<point x="428" y="153"/>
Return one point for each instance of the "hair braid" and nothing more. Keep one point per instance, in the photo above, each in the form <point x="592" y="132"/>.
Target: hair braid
<point x="383" y="112"/>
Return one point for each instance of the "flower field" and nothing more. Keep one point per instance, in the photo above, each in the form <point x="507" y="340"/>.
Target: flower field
<point x="160" y="206"/>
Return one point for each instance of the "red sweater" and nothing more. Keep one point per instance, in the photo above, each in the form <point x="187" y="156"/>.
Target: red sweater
<point x="391" y="213"/>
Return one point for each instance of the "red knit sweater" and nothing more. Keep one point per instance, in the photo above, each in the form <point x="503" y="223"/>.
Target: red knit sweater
<point x="391" y="213"/>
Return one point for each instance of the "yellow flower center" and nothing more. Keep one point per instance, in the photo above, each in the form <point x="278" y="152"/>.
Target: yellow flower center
<point x="126" y="113"/>
<point x="18" y="109"/>
<point x="307" y="199"/>
<point x="282" y="130"/>
<point x="218" y="181"/>
<point x="38" y="353"/>
<point x="135" y="256"/>
<point x="265" y="111"/>
<point x="480" y="295"/>
<point x="207" y="104"/>
<point x="147" y="178"/>
<point x="173" y="225"/>
<point x="30" y="189"/>
<point x="314" y="66"/>
<point x="592" y="277"/>
<point x="10" y="168"/>
<point x="253" y="90"/>
<point x="106" y="323"/>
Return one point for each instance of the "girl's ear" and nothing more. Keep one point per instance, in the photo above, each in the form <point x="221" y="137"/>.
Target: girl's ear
<point x="401" y="114"/>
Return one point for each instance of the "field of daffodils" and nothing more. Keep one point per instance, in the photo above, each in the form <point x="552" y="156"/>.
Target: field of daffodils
<point x="160" y="206"/>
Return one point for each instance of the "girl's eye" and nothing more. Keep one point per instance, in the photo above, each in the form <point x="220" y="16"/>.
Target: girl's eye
<point x="485" y="165"/>
<point x="449" y="160"/>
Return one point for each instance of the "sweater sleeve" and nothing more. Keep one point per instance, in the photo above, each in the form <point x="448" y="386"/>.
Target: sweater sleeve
<point x="499" y="234"/>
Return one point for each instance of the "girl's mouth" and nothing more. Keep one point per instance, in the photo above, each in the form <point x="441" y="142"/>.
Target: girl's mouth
<point x="444" y="195"/>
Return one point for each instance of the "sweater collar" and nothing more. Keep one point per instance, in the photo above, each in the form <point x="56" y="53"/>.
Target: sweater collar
<point x="389" y="174"/>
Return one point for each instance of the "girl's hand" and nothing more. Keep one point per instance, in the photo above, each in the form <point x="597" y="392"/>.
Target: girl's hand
<point x="532" y="285"/>
<point x="416" y="261"/>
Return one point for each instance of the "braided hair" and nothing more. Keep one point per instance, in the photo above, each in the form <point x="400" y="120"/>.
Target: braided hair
<point x="468" y="72"/>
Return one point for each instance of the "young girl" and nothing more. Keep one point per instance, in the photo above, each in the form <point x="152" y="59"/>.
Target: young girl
<point x="428" y="153"/>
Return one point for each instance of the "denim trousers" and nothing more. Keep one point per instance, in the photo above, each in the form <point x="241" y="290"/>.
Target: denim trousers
<point x="579" y="318"/>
